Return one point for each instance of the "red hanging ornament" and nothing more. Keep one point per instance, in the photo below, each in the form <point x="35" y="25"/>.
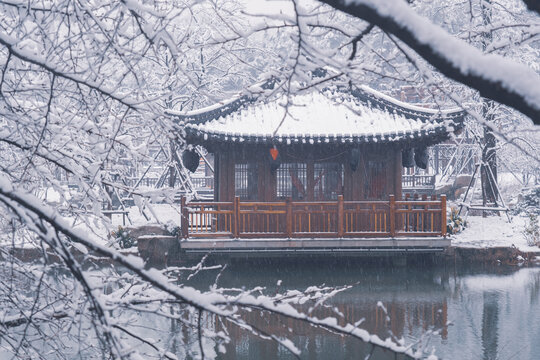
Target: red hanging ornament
<point x="275" y="159"/>
<point x="274" y="153"/>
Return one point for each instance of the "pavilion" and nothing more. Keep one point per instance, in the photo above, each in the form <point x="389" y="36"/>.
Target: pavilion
<point x="319" y="166"/>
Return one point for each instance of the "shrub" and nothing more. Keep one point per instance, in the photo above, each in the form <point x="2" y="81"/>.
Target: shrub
<point x="123" y="238"/>
<point x="532" y="230"/>
<point x="455" y="224"/>
<point x="172" y="229"/>
<point x="529" y="201"/>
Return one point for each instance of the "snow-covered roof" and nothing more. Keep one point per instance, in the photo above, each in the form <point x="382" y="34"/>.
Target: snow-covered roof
<point x="361" y="116"/>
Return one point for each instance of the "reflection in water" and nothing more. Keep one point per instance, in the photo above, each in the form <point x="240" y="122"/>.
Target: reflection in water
<point x="490" y="322"/>
<point x="493" y="313"/>
<point x="488" y="310"/>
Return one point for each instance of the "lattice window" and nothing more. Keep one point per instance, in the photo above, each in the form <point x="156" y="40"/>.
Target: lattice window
<point x="328" y="180"/>
<point x="291" y="181"/>
<point x="246" y="181"/>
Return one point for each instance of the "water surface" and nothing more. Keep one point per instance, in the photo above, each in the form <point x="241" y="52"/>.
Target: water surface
<point x="458" y="313"/>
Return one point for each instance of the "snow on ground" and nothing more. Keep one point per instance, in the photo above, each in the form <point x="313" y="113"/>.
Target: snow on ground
<point x="155" y="214"/>
<point x="494" y="231"/>
<point x="97" y="229"/>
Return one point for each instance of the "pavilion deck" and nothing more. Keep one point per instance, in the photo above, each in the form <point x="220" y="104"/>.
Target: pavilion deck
<point x="249" y="226"/>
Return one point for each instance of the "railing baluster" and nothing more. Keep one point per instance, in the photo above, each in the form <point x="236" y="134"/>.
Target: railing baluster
<point x="203" y="220"/>
<point x="236" y="216"/>
<point x="425" y="214"/>
<point x="409" y="208"/>
<point x="340" y="218"/>
<point x="289" y="218"/>
<point x="328" y="217"/>
<point x="443" y="215"/>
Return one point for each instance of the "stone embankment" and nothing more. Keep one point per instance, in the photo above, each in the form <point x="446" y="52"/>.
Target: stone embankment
<point x="157" y="246"/>
<point x="492" y="255"/>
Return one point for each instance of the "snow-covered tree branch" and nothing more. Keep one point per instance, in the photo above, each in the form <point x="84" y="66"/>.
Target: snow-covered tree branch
<point x="85" y="93"/>
<point x="495" y="77"/>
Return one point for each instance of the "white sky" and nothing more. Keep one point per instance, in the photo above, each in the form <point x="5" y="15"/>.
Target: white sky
<point x="268" y="7"/>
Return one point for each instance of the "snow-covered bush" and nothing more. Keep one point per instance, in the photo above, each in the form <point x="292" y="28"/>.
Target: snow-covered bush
<point x="532" y="230"/>
<point x="172" y="228"/>
<point x="529" y="201"/>
<point x="455" y="224"/>
<point x="123" y="238"/>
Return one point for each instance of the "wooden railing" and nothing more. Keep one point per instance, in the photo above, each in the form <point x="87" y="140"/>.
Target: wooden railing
<point x="418" y="181"/>
<point x="323" y="219"/>
<point x="203" y="182"/>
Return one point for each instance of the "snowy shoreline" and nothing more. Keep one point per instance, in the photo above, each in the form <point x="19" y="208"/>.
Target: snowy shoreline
<point x="494" y="232"/>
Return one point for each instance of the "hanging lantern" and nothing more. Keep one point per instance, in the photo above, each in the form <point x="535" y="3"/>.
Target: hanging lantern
<point x="190" y="159"/>
<point x="275" y="159"/>
<point x="407" y="158"/>
<point x="421" y="157"/>
<point x="354" y="159"/>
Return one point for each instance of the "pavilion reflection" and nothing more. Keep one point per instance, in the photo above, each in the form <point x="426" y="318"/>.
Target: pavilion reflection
<point x="399" y="318"/>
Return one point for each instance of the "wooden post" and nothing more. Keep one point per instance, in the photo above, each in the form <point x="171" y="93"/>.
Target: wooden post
<point x="424" y="214"/>
<point x="289" y="217"/>
<point x="392" y="216"/>
<point x="236" y="215"/>
<point x="184" y="218"/>
<point x="340" y="216"/>
<point x="443" y="215"/>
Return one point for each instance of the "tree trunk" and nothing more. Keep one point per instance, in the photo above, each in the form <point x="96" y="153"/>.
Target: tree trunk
<point x="489" y="154"/>
<point x="172" y="170"/>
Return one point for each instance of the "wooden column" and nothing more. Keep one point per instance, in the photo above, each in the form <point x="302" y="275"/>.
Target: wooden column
<point x="217" y="174"/>
<point x="263" y="175"/>
<point x="289" y="217"/>
<point x="398" y="173"/>
<point x="392" y="216"/>
<point x="354" y="180"/>
<point x="184" y="218"/>
<point x="236" y="217"/>
<point x="226" y="177"/>
<point x="310" y="180"/>
<point x="347" y="181"/>
<point x="340" y="212"/>
<point x="443" y="215"/>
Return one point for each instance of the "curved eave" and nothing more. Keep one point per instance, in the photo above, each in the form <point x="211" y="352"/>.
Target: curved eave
<point x="213" y="112"/>
<point x="427" y="137"/>
<point x="381" y="101"/>
<point x="226" y="107"/>
<point x="364" y="94"/>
